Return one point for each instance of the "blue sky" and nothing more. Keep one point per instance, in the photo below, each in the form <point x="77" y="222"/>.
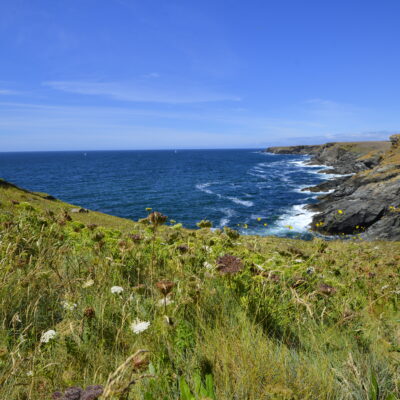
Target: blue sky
<point x="127" y="74"/>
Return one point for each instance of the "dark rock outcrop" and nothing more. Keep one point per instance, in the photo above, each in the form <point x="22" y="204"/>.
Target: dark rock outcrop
<point x="366" y="203"/>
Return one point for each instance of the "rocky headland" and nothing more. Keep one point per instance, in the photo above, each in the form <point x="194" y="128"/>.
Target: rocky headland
<point x="365" y="200"/>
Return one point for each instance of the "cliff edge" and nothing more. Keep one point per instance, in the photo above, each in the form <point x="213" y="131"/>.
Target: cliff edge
<point x="366" y="203"/>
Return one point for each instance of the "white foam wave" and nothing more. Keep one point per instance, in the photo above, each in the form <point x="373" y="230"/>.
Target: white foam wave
<point x="299" y="189"/>
<point x="298" y="218"/>
<point x="303" y="164"/>
<point x="257" y="175"/>
<point x="204" y="188"/>
<point x="229" y="213"/>
<point x="246" y="203"/>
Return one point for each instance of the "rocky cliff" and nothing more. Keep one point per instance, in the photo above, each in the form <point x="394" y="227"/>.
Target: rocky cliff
<point x="366" y="203"/>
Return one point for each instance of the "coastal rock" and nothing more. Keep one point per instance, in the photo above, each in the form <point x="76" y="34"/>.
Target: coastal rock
<point x="79" y="210"/>
<point x="367" y="202"/>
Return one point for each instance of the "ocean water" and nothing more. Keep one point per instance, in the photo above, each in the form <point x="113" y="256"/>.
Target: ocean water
<point x="229" y="187"/>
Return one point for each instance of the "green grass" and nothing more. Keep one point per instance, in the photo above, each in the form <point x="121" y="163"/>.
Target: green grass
<point x="301" y="320"/>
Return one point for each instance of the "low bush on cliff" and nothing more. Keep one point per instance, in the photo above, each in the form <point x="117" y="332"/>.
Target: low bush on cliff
<point x="159" y="312"/>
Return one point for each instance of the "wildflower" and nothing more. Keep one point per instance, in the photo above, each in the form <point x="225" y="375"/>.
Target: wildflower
<point x="289" y="226"/>
<point x="207" y="249"/>
<point x="68" y="306"/>
<point x="29" y="373"/>
<point x="384" y="287"/>
<point x="139" y="326"/>
<point x="340" y="211"/>
<point x="258" y="219"/>
<point x="165" y="287"/>
<point x="88" y="283"/>
<point x="298" y="260"/>
<point x="117" y="290"/>
<point x="245" y="226"/>
<point x="265" y="224"/>
<point x="48" y="335"/>
<point x="207" y="265"/>
<point x="229" y="264"/>
<point x="148" y="208"/>
<point x="166" y="301"/>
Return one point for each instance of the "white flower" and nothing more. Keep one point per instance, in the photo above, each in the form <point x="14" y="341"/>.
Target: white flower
<point x="29" y="373"/>
<point x="164" y="302"/>
<point x="88" y="283"/>
<point x="68" y="306"/>
<point x="47" y="336"/>
<point x="139" y="326"/>
<point x="208" y="249"/>
<point x="384" y="287"/>
<point x="117" y="289"/>
<point x="207" y="265"/>
<point x="298" y="260"/>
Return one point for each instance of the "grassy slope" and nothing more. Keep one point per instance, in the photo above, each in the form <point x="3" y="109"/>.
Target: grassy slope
<point x="361" y="148"/>
<point x="271" y="334"/>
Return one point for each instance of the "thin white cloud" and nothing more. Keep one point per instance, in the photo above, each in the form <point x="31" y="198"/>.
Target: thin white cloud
<point x="152" y="75"/>
<point x="7" y="92"/>
<point x="141" y="93"/>
<point x="25" y="126"/>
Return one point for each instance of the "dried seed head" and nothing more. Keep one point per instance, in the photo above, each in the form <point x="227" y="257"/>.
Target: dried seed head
<point x="183" y="248"/>
<point x="140" y="363"/>
<point x="135" y="238"/>
<point x="229" y="264"/>
<point x="73" y="393"/>
<point x="326" y="289"/>
<point x="89" y="312"/>
<point x="165" y="287"/>
<point x="157" y="219"/>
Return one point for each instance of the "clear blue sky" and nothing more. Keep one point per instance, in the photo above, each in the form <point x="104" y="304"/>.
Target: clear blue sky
<point x="127" y="74"/>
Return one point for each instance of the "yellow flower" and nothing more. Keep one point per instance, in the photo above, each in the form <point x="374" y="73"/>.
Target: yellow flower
<point x="265" y="224"/>
<point x="258" y="219"/>
<point x="340" y="211"/>
<point x="245" y="226"/>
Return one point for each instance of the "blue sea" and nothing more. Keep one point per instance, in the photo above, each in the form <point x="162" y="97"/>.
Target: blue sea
<point x="242" y="189"/>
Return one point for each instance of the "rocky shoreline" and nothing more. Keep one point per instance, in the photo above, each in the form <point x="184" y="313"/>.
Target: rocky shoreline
<point x="365" y="200"/>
